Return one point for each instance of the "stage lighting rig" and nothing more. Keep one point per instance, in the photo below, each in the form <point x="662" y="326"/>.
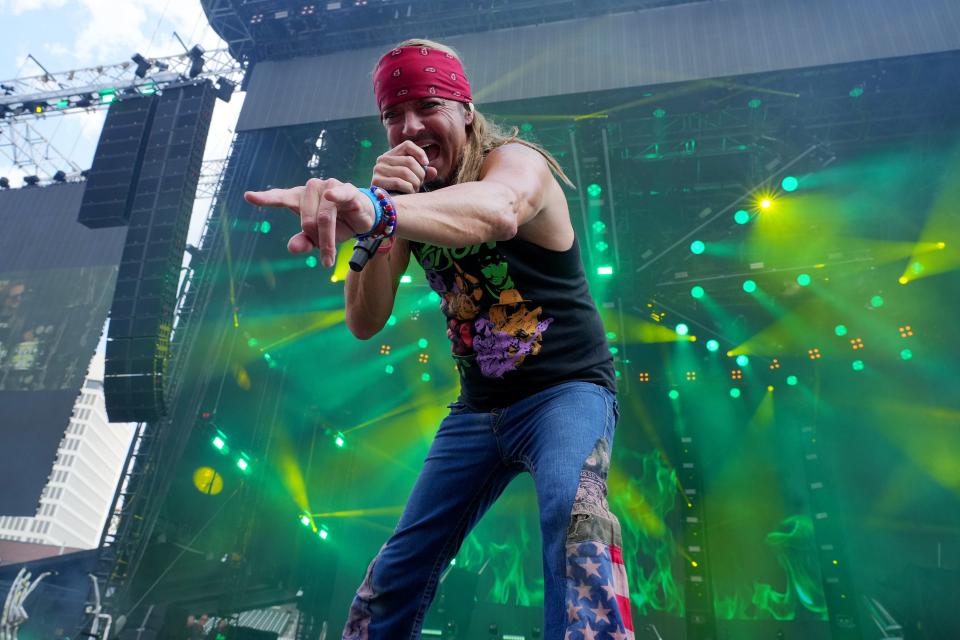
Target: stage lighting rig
<point x="143" y="65"/>
<point x="225" y="89"/>
<point x="196" y="61"/>
<point x="31" y="181"/>
<point x="60" y="176"/>
<point x="4" y="183"/>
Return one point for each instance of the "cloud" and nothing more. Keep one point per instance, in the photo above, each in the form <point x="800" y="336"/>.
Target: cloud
<point x="18" y="7"/>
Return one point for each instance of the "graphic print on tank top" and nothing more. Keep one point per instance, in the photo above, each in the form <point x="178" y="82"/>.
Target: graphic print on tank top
<point x="489" y="322"/>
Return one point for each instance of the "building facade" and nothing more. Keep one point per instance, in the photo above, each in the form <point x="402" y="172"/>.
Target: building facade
<point x="75" y="503"/>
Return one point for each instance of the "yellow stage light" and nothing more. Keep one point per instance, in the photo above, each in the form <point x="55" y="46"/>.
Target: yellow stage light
<point x="207" y="481"/>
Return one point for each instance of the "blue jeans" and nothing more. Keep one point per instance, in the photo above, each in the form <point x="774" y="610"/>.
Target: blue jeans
<point x="563" y="437"/>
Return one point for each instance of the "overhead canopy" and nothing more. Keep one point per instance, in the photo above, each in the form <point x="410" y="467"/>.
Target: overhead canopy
<point x="650" y="47"/>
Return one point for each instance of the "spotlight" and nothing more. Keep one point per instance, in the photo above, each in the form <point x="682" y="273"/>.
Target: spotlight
<point x="225" y="89"/>
<point x="4" y="183"/>
<point x="31" y="181"/>
<point x="60" y="176"/>
<point x="142" y="65"/>
<point x="196" y="61"/>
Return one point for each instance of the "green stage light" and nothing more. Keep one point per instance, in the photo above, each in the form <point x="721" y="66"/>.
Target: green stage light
<point x="219" y="443"/>
<point x="616" y="373"/>
<point x="323" y="532"/>
<point x="792" y="381"/>
<point x="599" y="226"/>
<point x="425" y="377"/>
<point x="526" y="127"/>
<point x="803" y="280"/>
<point x="840" y="330"/>
<point x="311" y="261"/>
<point x="876" y="302"/>
<point x="917" y="267"/>
<point x="243" y="463"/>
<point x="594" y="190"/>
<point x="712" y="345"/>
<point x="305" y="520"/>
<point x="601" y="246"/>
<point x="743" y="360"/>
<point x="252" y="343"/>
<point x="107" y="95"/>
<point x="434" y="296"/>
<point x="906" y="354"/>
<point x="405" y="279"/>
<point x="741" y="217"/>
<point x="734" y="393"/>
<point x="265" y="227"/>
<point x="605" y="271"/>
<point x="422" y="343"/>
<point x="749" y="286"/>
<point x="697" y="247"/>
<point x="63" y="103"/>
<point x="366" y="144"/>
<point x="611" y="335"/>
<point x="614" y="350"/>
<point x="697" y="292"/>
<point x="388" y="369"/>
<point x="857" y="365"/>
<point x="392" y="320"/>
<point x="659" y="113"/>
<point x="682" y="329"/>
<point x="674" y="394"/>
<point x="339" y="440"/>
<point x="754" y="103"/>
<point x="856" y="92"/>
<point x="790" y="183"/>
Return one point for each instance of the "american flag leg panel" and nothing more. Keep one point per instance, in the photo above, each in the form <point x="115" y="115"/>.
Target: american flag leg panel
<point x="598" y="600"/>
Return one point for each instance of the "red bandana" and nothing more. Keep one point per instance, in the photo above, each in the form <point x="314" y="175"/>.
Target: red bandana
<point x="419" y="72"/>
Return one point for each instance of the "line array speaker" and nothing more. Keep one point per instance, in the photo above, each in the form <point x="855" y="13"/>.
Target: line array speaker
<point x="112" y="179"/>
<point x="143" y="304"/>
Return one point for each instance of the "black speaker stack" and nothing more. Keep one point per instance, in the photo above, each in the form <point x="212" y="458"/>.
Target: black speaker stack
<point x="138" y="339"/>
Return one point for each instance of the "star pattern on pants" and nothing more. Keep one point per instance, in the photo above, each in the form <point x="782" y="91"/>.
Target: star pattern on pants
<point x="597" y="602"/>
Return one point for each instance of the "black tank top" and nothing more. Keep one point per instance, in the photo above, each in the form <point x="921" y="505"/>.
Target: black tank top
<point x="520" y="319"/>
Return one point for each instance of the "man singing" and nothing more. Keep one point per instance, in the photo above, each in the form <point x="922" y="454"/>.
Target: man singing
<point x="484" y="215"/>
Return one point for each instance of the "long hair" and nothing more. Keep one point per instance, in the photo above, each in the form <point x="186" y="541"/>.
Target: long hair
<point x="483" y="136"/>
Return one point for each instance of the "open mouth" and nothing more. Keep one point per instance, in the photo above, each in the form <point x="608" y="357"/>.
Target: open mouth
<point x="433" y="151"/>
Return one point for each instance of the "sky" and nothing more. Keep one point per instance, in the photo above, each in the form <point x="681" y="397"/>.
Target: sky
<point x="79" y="34"/>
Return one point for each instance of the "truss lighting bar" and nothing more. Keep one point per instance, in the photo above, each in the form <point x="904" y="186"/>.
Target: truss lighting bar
<point x="81" y="89"/>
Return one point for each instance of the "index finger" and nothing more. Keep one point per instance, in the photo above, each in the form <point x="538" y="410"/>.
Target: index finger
<point x="289" y="198"/>
<point x="408" y="147"/>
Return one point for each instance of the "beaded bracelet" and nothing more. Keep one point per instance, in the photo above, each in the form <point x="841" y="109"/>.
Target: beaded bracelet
<point x="385" y="224"/>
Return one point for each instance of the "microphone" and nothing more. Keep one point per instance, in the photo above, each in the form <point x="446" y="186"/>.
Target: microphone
<point x="363" y="250"/>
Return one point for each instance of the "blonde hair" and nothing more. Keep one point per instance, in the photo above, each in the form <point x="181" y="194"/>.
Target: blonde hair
<point x="483" y="136"/>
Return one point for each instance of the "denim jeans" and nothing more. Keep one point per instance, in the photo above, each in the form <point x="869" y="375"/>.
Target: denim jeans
<point x="563" y="437"/>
